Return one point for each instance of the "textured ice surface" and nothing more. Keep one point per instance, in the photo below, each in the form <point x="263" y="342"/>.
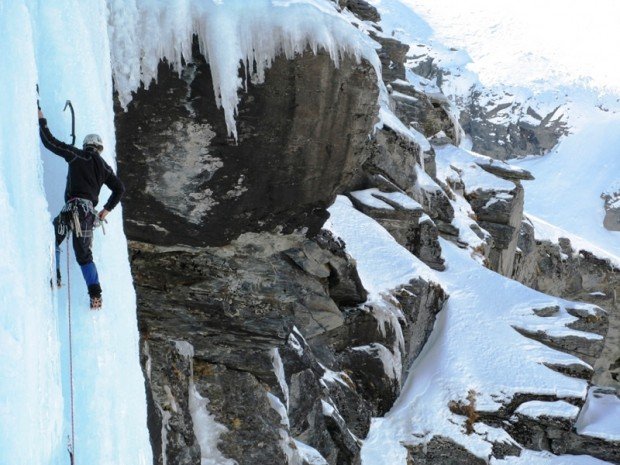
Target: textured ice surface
<point x="63" y="46"/>
<point x="31" y="404"/>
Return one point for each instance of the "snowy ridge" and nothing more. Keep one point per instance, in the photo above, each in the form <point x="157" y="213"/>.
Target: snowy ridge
<point x="229" y="33"/>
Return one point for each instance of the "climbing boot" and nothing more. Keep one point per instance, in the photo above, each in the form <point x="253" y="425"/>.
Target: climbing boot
<point x="94" y="291"/>
<point x="96" y="303"/>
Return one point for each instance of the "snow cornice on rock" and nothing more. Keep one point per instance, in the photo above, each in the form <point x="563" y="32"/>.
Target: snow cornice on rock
<point x="232" y="35"/>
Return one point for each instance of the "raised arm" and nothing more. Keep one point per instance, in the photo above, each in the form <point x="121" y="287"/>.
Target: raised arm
<point x="66" y="151"/>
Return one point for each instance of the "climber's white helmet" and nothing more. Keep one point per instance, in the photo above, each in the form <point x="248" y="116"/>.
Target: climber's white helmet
<point x="93" y="140"/>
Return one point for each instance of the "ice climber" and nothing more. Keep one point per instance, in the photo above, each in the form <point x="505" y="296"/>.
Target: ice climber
<point x="88" y="172"/>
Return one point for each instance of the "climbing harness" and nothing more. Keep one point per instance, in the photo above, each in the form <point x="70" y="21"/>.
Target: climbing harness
<point x="70" y="217"/>
<point x="71" y="445"/>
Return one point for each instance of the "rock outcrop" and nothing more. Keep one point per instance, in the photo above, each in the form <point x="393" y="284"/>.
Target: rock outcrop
<point x="242" y="299"/>
<point x="612" y="211"/>
<point x="530" y="134"/>
<point x="558" y="269"/>
<point x="285" y="169"/>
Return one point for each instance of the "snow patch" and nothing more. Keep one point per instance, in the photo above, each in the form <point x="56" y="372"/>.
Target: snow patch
<point x="557" y="409"/>
<point x="207" y="430"/>
<point x="599" y="416"/>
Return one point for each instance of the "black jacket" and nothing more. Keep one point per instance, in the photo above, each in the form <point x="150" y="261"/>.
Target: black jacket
<point x="87" y="170"/>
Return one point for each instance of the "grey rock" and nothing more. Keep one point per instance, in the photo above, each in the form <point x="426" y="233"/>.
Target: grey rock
<point x="503" y="171"/>
<point x="501" y="216"/>
<point x="392" y="55"/>
<point x="505" y="141"/>
<point x="361" y="9"/>
<point x="420" y="237"/>
<point x="366" y="363"/>
<point x="497" y="140"/>
<point x="586" y="349"/>
<point x="393" y="157"/>
<point x="561" y="271"/>
<point x="440" y="450"/>
<point x="428" y="113"/>
<point x="547" y="311"/>
<point x="420" y="302"/>
<point x="282" y="173"/>
<point x="557" y="435"/>
<point x="612" y="211"/>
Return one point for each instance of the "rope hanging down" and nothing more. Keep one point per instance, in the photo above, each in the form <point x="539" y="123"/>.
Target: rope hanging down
<point x="71" y="445"/>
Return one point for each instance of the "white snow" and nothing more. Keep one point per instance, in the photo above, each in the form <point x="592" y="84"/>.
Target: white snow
<point x="382" y="264"/>
<point x="229" y="33"/>
<point x="570" y="180"/>
<point x="466" y="164"/>
<point x="508" y="44"/>
<point x="600" y="415"/>
<point x="557" y="409"/>
<point x="475" y="325"/>
<point x="374" y="198"/>
<point x="368" y="198"/>
<point x="207" y="430"/>
<point x="529" y="457"/>
<point x="401" y="199"/>
<point x="310" y="454"/>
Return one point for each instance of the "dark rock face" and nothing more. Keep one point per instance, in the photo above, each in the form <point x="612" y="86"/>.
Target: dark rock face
<point x="222" y="320"/>
<point x="242" y="299"/>
<point x="286" y="168"/>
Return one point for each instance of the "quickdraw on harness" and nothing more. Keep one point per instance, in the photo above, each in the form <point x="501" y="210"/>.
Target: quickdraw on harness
<point x="70" y="218"/>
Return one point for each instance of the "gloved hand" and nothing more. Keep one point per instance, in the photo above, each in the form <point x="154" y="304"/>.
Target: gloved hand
<point x="102" y="214"/>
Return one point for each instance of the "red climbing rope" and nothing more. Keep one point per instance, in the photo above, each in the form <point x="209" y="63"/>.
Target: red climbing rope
<point x="72" y="443"/>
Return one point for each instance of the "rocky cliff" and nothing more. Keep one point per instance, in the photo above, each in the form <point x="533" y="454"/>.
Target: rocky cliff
<point x="246" y="303"/>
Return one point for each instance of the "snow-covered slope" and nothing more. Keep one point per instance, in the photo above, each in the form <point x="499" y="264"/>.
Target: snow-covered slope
<point x="569" y="181"/>
<point x="474" y="347"/>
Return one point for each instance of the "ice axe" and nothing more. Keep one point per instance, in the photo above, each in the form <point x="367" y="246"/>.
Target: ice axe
<point x="70" y="105"/>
